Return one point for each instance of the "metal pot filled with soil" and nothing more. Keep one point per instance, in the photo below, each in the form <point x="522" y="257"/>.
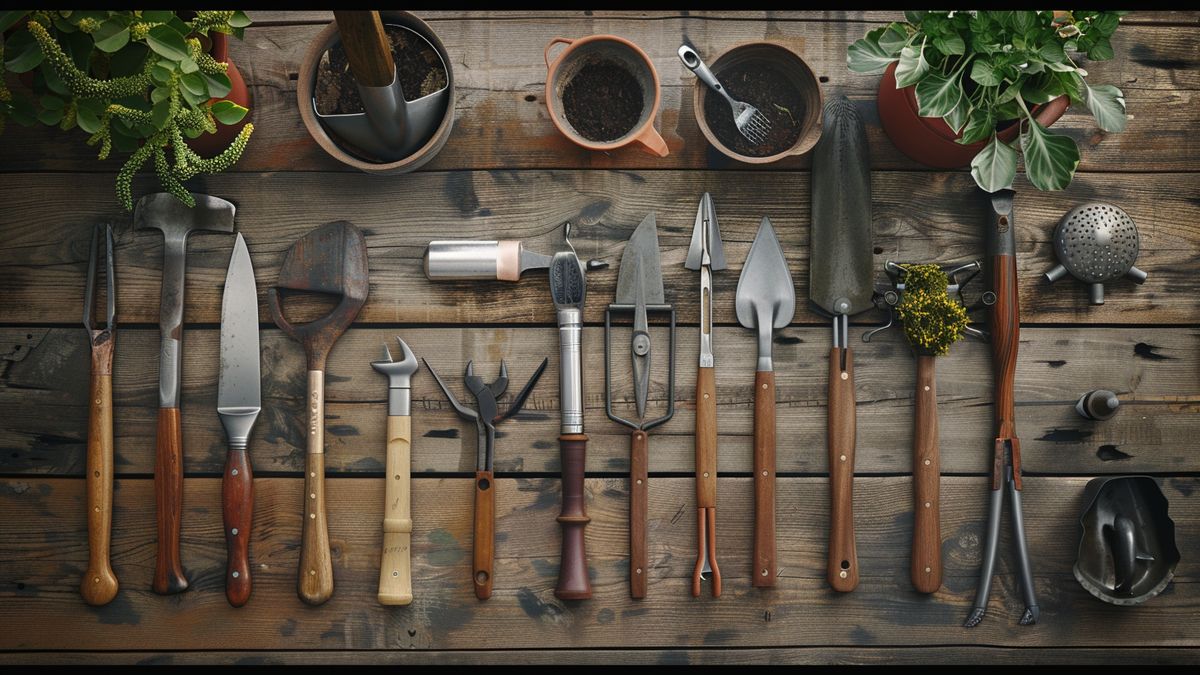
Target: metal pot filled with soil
<point x="602" y="92"/>
<point x="776" y="81"/>
<point x="377" y="117"/>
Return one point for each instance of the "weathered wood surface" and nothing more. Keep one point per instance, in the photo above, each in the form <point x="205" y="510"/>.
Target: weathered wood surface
<point x="1157" y="376"/>
<point x="45" y="550"/>
<point x="918" y="217"/>
<point x="502" y="123"/>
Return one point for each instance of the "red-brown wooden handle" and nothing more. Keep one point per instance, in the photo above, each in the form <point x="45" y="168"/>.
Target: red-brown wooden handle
<point x="638" y="512"/>
<point x="485" y="534"/>
<point x="763" y="574"/>
<point x="1006" y="332"/>
<point x="367" y="47"/>
<point x="842" y="569"/>
<point x="237" y="507"/>
<point x="573" y="581"/>
<point x="99" y="584"/>
<point x="168" y="497"/>
<point x="927" y="529"/>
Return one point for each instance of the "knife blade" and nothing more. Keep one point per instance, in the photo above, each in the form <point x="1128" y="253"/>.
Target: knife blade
<point x="840" y="284"/>
<point x="238" y="404"/>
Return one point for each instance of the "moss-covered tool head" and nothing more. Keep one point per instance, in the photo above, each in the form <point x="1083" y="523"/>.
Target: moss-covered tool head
<point x="933" y="319"/>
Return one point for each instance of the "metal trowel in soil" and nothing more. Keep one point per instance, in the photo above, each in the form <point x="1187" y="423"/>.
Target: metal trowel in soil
<point x="390" y="128"/>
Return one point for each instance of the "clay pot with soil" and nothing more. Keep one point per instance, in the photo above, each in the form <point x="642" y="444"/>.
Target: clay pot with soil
<point x="773" y="79"/>
<point x="326" y="88"/>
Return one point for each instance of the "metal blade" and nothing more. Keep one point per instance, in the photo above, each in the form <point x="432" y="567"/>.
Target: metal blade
<point x="647" y="272"/>
<point x="766" y="296"/>
<point x="706" y="219"/>
<point x="238" y="389"/>
<point x="840" y="277"/>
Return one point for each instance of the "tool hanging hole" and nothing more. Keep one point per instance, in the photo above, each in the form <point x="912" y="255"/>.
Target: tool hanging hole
<point x="481" y="577"/>
<point x="845" y="564"/>
<point x="484" y="484"/>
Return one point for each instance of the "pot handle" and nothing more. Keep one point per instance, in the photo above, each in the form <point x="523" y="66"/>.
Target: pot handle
<point x="652" y="142"/>
<point x="557" y="40"/>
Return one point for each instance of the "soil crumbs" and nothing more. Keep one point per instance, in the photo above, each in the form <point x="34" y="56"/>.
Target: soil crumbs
<point x="765" y="88"/>
<point x="417" y="65"/>
<point x="603" y="101"/>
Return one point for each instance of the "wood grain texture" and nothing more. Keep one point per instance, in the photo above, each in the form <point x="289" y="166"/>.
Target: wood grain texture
<point x="483" y="544"/>
<point x="841" y="443"/>
<point x="99" y="585"/>
<point x="237" y="507"/>
<point x="367" y="47"/>
<point x="574" y="582"/>
<point x="395" y="564"/>
<point x="314" y="582"/>
<point x="169" y="576"/>
<point x="639" y="477"/>
<point x="46" y="550"/>
<point x="926" y="470"/>
<point x="763" y="571"/>
<point x="706" y="438"/>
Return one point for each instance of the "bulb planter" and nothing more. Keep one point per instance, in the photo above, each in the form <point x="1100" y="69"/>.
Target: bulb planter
<point x="306" y="84"/>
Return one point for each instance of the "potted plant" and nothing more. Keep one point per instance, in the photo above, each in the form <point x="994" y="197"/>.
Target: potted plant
<point x="962" y="86"/>
<point x="139" y="81"/>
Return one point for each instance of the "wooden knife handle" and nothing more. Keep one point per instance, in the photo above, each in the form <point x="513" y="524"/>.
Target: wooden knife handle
<point x="168" y="496"/>
<point x="237" y="506"/>
<point x="763" y="574"/>
<point x="573" y="580"/>
<point x="927" y="531"/>
<point x="367" y="47"/>
<point x="395" y="566"/>
<point x="842" y="570"/>
<point x="485" y="533"/>
<point x="315" y="584"/>
<point x="639" y="567"/>
<point x="99" y="584"/>
<point x="706" y="438"/>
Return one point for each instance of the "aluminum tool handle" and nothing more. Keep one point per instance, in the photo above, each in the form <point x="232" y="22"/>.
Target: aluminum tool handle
<point x="570" y="370"/>
<point x="695" y="64"/>
<point x="926" y="569"/>
<point x="474" y="260"/>
<point x="395" y="565"/>
<point x="842" y="568"/>
<point x="315" y="583"/>
<point x="99" y="585"/>
<point x="484" y="551"/>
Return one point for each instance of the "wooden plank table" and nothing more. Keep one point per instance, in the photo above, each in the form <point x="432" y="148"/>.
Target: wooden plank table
<point x="506" y="173"/>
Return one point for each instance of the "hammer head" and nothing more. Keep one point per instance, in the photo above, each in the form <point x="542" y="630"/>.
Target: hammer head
<point x="163" y="211"/>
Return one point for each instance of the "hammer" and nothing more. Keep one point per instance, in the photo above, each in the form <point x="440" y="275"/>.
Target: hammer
<point x="163" y="211"/>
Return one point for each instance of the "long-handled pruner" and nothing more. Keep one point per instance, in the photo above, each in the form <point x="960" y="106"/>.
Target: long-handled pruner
<point x="486" y="417"/>
<point x="99" y="585"/>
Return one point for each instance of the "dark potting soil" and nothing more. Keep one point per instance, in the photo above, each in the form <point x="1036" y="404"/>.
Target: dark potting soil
<point x="764" y="87"/>
<point x="417" y="65"/>
<point x="603" y="101"/>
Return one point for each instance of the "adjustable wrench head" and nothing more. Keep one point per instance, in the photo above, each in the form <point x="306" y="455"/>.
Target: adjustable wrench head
<point x="400" y="372"/>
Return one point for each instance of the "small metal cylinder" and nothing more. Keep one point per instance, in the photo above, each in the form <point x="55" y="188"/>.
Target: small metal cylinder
<point x="570" y="369"/>
<point x="1099" y="404"/>
<point x="462" y="259"/>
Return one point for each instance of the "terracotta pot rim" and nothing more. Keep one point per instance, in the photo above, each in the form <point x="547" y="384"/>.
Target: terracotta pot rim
<point x="306" y="83"/>
<point x="633" y="134"/>
<point x="808" y="138"/>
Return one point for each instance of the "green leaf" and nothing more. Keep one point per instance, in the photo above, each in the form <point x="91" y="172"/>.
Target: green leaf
<point x="1106" y="23"/>
<point x="124" y="142"/>
<point x="87" y="118"/>
<point x="956" y="119"/>
<point x="167" y="43"/>
<point x="218" y="84"/>
<point x="157" y="16"/>
<point x="161" y="72"/>
<point x="52" y="102"/>
<point x="187" y="65"/>
<point x="22" y="111"/>
<point x="979" y="126"/>
<point x="1072" y="85"/>
<point x="1041" y="89"/>
<point x="239" y="20"/>
<point x="160" y="94"/>
<point x="984" y="73"/>
<point x="893" y="39"/>
<point x="1101" y="50"/>
<point x="129" y="60"/>
<point x="195" y="84"/>
<point x="1107" y="104"/>
<point x="52" y="81"/>
<point x="50" y="117"/>
<point x="1052" y="52"/>
<point x="9" y="18"/>
<point x="111" y="36"/>
<point x="951" y="44"/>
<point x="1061" y="66"/>
<point x="914" y="16"/>
<point x="23" y="52"/>
<point x="1050" y="160"/>
<point x="865" y="56"/>
<point x="194" y="99"/>
<point x="937" y="95"/>
<point x="912" y="66"/>
<point x="228" y="112"/>
<point x="160" y="113"/>
<point x="995" y="166"/>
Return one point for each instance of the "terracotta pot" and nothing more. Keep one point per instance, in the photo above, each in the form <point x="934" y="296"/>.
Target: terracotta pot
<point x="581" y="51"/>
<point x="929" y="140"/>
<point x="307" y="81"/>
<point x="207" y="145"/>
<point x="793" y="68"/>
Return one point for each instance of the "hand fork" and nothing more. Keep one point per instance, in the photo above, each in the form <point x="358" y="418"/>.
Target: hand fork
<point x="753" y="124"/>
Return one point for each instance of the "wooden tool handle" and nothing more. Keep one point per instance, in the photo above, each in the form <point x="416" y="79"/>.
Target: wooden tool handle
<point x="237" y="507"/>
<point x="485" y="533"/>
<point x="639" y="567"/>
<point x="367" y="47"/>
<point x="763" y="574"/>
<point x="315" y="584"/>
<point x="99" y="584"/>
<point x="842" y="569"/>
<point x="395" y="566"/>
<point x="168" y="497"/>
<point x="706" y="438"/>
<point x="927" y="531"/>
<point x="573" y="580"/>
<point x="1006" y="332"/>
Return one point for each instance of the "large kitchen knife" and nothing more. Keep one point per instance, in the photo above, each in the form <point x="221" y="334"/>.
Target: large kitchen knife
<point x="840" y="285"/>
<point x="238" y="405"/>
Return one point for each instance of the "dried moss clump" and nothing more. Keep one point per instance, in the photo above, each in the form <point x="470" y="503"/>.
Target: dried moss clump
<point x="932" y="319"/>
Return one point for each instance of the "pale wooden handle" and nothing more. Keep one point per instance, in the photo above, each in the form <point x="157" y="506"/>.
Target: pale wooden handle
<point x="927" y="534"/>
<point x="706" y="438"/>
<point x="395" y="567"/>
<point x="99" y="585"/>
<point x="315" y="584"/>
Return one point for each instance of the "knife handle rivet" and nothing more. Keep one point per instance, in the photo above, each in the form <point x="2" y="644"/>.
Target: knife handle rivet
<point x="233" y="472"/>
<point x="842" y="574"/>
<point x="764" y="472"/>
<point x="926" y="462"/>
<point x="96" y="580"/>
<point x="706" y="396"/>
<point x="96" y="474"/>
<point x="312" y="474"/>
<point x="313" y="516"/>
<point x="764" y="385"/>
<point x="639" y="481"/>
<point x="843" y="458"/>
<point x="312" y="495"/>
<point x="397" y="476"/>
<point x="395" y="573"/>
<point x="706" y="474"/>
<point x="928" y="504"/>
<point x="97" y="509"/>
<point x="927" y="570"/>
<point x="234" y="531"/>
<point x="845" y="376"/>
<point x="926" y="387"/>
<point x="236" y="575"/>
<point x="312" y="573"/>
<point x="765" y="572"/>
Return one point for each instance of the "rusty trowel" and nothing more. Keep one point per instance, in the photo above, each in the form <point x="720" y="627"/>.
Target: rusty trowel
<point x="390" y="128"/>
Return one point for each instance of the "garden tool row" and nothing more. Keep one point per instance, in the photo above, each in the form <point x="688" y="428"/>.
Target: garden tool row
<point x="395" y="563"/>
<point x="504" y="260"/>
<point x="486" y="416"/>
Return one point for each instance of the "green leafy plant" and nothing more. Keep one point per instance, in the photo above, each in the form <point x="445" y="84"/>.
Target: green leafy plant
<point x="979" y="70"/>
<point x="932" y="319"/>
<point x="139" y="81"/>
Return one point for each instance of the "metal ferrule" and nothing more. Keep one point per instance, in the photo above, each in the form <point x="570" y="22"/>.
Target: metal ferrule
<point x="570" y="373"/>
<point x="399" y="401"/>
<point x="706" y="341"/>
<point x="238" y="422"/>
<point x="1001" y="237"/>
